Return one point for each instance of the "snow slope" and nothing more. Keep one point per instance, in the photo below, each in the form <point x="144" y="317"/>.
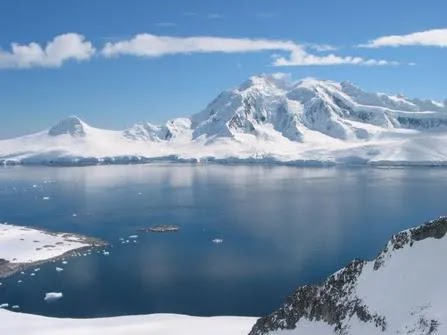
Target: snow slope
<point x="23" y="246"/>
<point x="268" y="118"/>
<point x="402" y="291"/>
<point x="154" y="324"/>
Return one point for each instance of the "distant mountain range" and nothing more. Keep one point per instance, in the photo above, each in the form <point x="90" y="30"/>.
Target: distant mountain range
<point x="267" y="119"/>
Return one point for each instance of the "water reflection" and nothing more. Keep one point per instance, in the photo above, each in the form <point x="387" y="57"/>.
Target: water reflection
<point x="281" y="226"/>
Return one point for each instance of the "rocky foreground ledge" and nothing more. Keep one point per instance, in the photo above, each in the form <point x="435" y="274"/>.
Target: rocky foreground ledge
<point x="23" y="247"/>
<point x="402" y="291"/>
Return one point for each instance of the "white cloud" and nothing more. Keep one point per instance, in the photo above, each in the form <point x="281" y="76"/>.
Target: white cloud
<point x="70" y="46"/>
<point x="433" y="37"/>
<point x="321" y="47"/>
<point x="148" y="45"/>
<point x="299" y="57"/>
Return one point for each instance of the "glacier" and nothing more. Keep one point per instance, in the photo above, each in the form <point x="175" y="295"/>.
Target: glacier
<point x="269" y="118"/>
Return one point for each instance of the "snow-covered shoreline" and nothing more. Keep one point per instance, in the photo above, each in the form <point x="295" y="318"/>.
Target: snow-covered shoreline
<point x="23" y="247"/>
<point x="236" y="161"/>
<point x="153" y="324"/>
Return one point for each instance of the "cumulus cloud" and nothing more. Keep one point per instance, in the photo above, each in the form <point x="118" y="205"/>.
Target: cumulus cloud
<point x="432" y="37"/>
<point x="70" y="46"/>
<point x="149" y="45"/>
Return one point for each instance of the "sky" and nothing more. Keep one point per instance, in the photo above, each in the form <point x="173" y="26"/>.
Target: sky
<point x="115" y="62"/>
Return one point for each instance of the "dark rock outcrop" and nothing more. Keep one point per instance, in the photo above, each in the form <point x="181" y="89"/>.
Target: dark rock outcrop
<point x="335" y="301"/>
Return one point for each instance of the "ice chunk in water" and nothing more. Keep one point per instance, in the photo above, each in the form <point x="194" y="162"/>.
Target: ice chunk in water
<point x="53" y="296"/>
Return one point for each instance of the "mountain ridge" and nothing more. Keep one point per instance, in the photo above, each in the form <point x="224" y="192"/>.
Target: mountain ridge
<point x="268" y="118"/>
<point x="371" y="297"/>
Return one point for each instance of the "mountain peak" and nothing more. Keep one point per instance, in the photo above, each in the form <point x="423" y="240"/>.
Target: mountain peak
<point x="277" y="80"/>
<point x="71" y="125"/>
<point x="311" y="83"/>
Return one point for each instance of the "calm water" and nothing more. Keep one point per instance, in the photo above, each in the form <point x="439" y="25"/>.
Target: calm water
<point x="281" y="226"/>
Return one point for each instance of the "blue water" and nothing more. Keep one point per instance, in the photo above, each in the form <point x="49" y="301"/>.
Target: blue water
<point x="281" y="226"/>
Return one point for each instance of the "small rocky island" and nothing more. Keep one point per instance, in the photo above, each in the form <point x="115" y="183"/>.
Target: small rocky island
<point x="161" y="229"/>
<point x="24" y="247"/>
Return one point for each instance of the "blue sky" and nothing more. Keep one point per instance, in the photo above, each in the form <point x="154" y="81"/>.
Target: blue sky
<point x="152" y="78"/>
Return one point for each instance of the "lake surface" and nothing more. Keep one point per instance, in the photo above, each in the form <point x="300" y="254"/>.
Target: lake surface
<point x="281" y="227"/>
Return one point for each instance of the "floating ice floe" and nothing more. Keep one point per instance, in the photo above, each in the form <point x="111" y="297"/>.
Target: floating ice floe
<point x="36" y="269"/>
<point x="218" y="241"/>
<point x="53" y="296"/>
<point x="64" y="262"/>
<point x="16" y="307"/>
<point x="4" y="305"/>
<point x="106" y="253"/>
<point x="19" y="281"/>
<point x="34" y="186"/>
<point x="32" y="274"/>
<point x="58" y="269"/>
<point x="45" y="198"/>
<point x="74" y="214"/>
<point x="133" y="236"/>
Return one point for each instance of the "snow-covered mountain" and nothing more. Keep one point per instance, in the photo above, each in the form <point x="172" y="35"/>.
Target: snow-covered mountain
<point x="268" y="118"/>
<point x="402" y="291"/>
<point x="339" y="110"/>
<point x="148" y="132"/>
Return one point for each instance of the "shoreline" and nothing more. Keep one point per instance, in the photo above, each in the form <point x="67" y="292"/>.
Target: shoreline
<point x="231" y="161"/>
<point x="9" y="268"/>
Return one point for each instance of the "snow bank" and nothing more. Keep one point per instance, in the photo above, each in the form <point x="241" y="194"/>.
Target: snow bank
<point x="155" y="324"/>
